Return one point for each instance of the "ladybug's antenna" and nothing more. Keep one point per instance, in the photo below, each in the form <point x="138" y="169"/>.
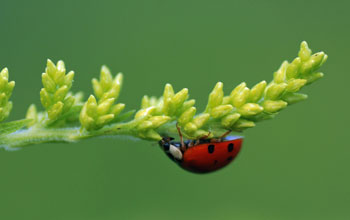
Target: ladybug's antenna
<point x="183" y="147"/>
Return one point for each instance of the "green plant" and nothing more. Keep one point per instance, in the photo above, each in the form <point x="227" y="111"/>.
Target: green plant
<point x="67" y="118"/>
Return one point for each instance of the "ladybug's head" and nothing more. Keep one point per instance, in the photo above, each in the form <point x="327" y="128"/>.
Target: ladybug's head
<point x="172" y="149"/>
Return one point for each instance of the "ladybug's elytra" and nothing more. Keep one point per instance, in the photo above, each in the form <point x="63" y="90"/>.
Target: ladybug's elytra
<point x="202" y="156"/>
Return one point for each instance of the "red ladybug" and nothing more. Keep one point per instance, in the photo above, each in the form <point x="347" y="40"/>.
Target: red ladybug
<point x="202" y="156"/>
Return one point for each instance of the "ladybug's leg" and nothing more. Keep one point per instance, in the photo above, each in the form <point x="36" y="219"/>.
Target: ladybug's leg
<point x="225" y="134"/>
<point x="206" y="136"/>
<point x="183" y="146"/>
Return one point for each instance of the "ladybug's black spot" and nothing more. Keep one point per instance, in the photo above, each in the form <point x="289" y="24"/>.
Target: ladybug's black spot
<point x="229" y="158"/>
<point x="211" y="148"/>
<point x="230" y="147"/>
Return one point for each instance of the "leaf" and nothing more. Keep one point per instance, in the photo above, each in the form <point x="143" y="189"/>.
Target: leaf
<point x="10" y="127"/>
<point x="124" y="116"/>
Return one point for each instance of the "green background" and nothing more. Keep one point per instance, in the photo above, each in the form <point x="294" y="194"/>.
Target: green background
<point x="293" y="167"/>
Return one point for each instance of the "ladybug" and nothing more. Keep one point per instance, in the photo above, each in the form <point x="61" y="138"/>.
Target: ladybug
<point x="203" y="155"/>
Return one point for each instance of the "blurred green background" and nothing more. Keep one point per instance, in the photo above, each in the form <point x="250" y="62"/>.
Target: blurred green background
<point x="293" y="167"/>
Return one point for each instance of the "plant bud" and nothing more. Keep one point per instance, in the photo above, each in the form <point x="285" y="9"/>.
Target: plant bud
<point x="104" y="107"/>
<point x="229" y="120"/>
<point x="273" y="106"/>
<point x="292" y="98"/>
<point x="190" y="128"/>
<point x="45" y="98"/>
<point x="221" y="111"/>
<point x="201" y="119"/>
<point x="187" y="116"/>
<point x="250" y="109"/>
<point x="304" y="52"/>
<point x="293" y="68"/>
<point x="48" y="83"/>
<point x="274" y="91"/>
<point x="295" y="85"/>
<point x="257" y="91"/>
<point x="240" y="97"/>
<point x="216" y="96"/>
<point x="280" y="74"/>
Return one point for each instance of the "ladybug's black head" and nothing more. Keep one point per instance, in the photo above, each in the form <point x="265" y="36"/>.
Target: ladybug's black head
<point x="170" y="148"/>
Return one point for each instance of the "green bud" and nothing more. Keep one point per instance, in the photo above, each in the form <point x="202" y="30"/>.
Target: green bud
<point x="293" y="68"/>
<point x="91" y="106"/>
<point x="60" y="75"/>
<point x="317" y="59"/>
<point x="48" y="83"/>
<point x="50" y="68"/>
<point x="60" y="94"/>
<point x="306" y="67"/>
<point x="85" y="120"/>
<point x="4" y="73"/>
<point x="104" y="107"/>
<point x="216" y="96"/>
<point x="280" y="74"/>
<point x="292" y="98"/>
<point x="61" y="67"/>
<point x="250" y="109"/>
<point x="221" y="111"/>
<point x="55" y="110"/>
<point x="45" y="98"/>
<point x="257" y="91"/>
<point x="152" y="135"/>
<point x="241" y="97"/>
<point x="32" y="114"/>
<point x="313" y="77"/>
<point x="158" y="121"/>
<point x="145" y="102"/>
<point x="187" y="116"/>
<point x="5" y="111"/>
<point x="243" y="124"/>
<point x="190" y="128"/>
<point x="238" y="89"/>
<point x="295" y="85"/>
<point x="3" y="99"/>
<point x="105" y="78"/>
<point x="68" y="103"/>
<point x="144" y="125"/>
<point x="168" y="91"/>
<point x="179" y="98"/>
<point x="201" y="119"/>
<point x="117" y="84"/>
<point x="104" y="119"/>
<point x="274" y="91"/>
<point x="117" y="109"/>
<point x="97" y="88"/>
<point x="304" y="52"/>
<point x="68" y="79"/>
<point x="9" y="89"/>
<point x="145" y="112"/>
<point x="188" y="104"/>
<point x="274" y="106"/>
<point x="167" y="99"/>
<point x="229" y="120"/>
<point x="3" y="82"/>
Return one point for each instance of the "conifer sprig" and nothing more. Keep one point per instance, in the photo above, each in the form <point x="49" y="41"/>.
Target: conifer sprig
<point x="67" y="118"/>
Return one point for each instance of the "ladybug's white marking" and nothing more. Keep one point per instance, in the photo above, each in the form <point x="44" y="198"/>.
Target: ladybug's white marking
<point x="175" y="152"/>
